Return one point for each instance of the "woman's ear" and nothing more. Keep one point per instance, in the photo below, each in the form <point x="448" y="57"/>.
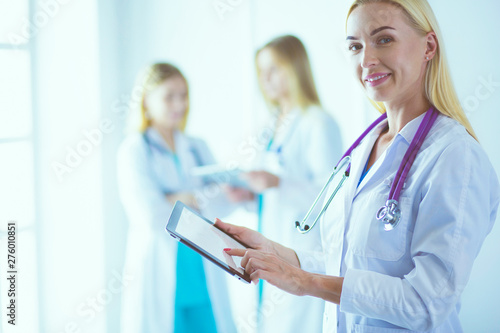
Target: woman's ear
<point x="431" y="45"/>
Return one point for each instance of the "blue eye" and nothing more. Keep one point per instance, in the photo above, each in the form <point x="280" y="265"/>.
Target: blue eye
<point x="385" y="40"/>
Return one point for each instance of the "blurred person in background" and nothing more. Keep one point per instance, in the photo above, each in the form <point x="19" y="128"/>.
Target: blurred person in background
<point x="289" y="172"/>
<point x="173" y="288"/>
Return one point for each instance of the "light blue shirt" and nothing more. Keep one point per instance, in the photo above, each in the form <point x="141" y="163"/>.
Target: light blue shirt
<point x="410" y="278"/>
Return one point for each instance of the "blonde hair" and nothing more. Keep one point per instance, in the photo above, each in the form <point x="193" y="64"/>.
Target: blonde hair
<point x="149" y="79"/>
<point x="439" y="88"/>
<point x="290" y="53"/>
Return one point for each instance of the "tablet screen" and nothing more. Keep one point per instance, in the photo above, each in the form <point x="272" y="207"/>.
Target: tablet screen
<point x="220" y="175"/>
<point x="209" y="238"/>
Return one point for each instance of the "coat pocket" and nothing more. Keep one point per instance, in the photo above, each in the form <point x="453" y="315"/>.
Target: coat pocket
<point x="367" y="236"/>
<point x="373" y="329"/>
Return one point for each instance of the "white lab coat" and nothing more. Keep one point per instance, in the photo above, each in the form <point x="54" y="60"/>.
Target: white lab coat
<point x="410" y="278"/>
<point x="303" y="154"/>
<point x="146" y="172"/>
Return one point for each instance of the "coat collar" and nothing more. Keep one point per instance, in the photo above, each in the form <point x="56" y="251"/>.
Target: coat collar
<point x="408" y="132"/>
<point x="156" y="140"/>
<point x="358" y="161"/>
<point x="406" y="135"/>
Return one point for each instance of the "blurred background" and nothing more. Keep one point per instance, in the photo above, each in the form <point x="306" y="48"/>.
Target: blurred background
<point x="67" y="72"/>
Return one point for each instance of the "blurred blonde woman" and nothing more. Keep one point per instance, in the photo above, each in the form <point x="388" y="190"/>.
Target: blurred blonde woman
<point x="173" y="288"/>
<point x="290" y="171"/>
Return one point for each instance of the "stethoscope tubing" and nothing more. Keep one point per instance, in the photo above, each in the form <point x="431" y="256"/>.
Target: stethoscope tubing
<point x="343" y="162"/>
<point x="358" y="141"/>
<point x="390" y="213"/>
<point x="411" y="154"/>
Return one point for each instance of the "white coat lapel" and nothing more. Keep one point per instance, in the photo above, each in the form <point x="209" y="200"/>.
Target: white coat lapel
<point x="358" y="161"/>
<point x="333" y="235"/>
<point x="181" y="143"/>
<point x="364" y="153"/>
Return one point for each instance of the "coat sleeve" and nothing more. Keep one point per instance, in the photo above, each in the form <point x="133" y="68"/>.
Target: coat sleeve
<point x="141" y="196"/>
<point x="311" y="261"/>
<point x="458" y="207"/>
<point x="210" y="197"/>
<point x="320" y="150"/>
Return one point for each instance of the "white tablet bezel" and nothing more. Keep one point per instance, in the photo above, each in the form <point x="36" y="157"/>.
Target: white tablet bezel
<point x="171" y="229"/>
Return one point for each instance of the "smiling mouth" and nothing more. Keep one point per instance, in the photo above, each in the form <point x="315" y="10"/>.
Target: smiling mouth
<point x="373" y="79"/>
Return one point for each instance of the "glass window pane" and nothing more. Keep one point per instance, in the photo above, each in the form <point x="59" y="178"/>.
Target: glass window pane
<point x="17" y="185"/>
<point x="14" y="22"/>
<point x="15" y="94"/>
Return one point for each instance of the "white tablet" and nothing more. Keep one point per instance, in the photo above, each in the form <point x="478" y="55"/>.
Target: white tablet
<point x="201" y="235"/>
<point x="218" y="174"/>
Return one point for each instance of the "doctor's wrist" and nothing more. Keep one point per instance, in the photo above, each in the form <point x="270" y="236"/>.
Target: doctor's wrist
<point x="328" y="288"/>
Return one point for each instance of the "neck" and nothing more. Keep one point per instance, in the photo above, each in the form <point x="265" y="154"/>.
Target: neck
<point x="400" y="114"/>
<point x="285" y="105"/>
<point x="167" y="134"/>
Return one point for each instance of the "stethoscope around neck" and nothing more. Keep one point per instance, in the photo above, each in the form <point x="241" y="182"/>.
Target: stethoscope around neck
<point x="390" y="213"/>
<point x="163" y="150"/>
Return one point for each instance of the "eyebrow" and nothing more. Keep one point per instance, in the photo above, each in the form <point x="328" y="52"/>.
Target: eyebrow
<point x="372" y="33"/>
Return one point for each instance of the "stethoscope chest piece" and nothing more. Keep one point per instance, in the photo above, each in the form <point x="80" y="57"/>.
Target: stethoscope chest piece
<point x="390" y="214"/>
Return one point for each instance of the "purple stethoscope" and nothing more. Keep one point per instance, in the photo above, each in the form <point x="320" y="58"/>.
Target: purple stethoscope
<point x="390" y="213"/>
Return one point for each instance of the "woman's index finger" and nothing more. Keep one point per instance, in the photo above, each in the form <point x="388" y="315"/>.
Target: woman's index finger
<point x="236" y="252"/>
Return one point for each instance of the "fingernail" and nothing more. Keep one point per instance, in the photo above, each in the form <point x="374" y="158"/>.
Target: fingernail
<point x="227" y="249"/>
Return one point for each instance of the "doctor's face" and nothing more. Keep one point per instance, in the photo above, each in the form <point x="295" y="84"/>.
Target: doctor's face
<point x="273" y="77"/>
<point x="168" y="102"/>
<point x="387" y="55"/>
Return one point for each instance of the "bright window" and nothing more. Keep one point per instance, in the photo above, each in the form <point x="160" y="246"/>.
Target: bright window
<point x="17" y="186"/>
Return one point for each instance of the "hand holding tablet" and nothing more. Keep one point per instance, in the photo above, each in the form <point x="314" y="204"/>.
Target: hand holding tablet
<point x="201" y="235"/>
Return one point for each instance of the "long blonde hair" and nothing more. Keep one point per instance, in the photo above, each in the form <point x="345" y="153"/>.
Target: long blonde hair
<point x="290" y="53"/>
<point x="439" y="88"/>
<point x="150" y="78"/>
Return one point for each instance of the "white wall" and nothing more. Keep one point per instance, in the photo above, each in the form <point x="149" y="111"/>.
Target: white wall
<point x="215" y="50"/>
<point x="470" y="31"/>
<point x="69" y="220"/>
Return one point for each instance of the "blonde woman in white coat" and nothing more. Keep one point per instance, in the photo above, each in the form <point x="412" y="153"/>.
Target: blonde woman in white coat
<point x="173" y="288"/>
<point x="405" y="274"/>
<point x="302" y="147"/>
